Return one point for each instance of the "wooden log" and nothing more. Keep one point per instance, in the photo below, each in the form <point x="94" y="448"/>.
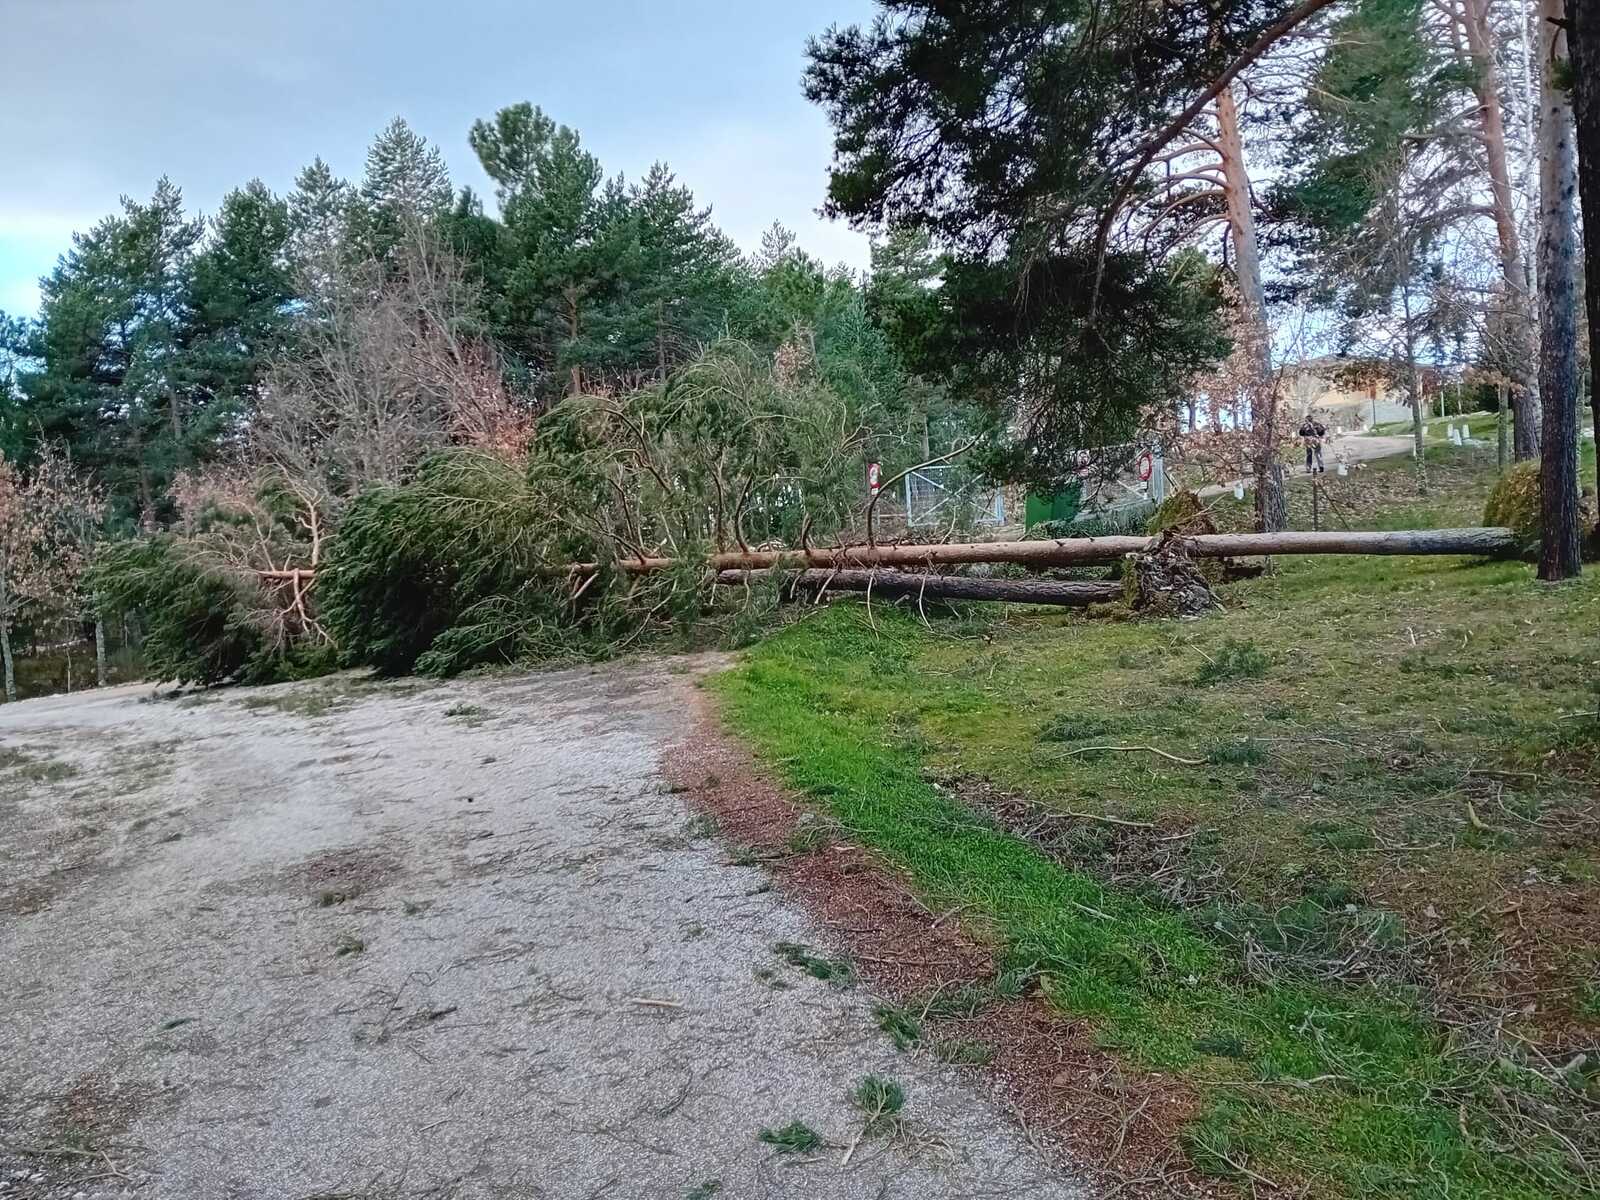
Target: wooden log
<point x="1065" y="552"/>
<point x="1071" y="593"/>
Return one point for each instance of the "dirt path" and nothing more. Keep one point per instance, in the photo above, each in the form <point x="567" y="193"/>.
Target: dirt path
<point x="451" y="941"/>
<point x="1356" y="448"/>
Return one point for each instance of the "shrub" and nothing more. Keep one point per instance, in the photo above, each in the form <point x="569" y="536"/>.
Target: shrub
<point x="1181" y="512"/>
<point x="1233" y="659"/>
<point x="1514" y="503"/>
<point x="1242" y="752"/>
<point x="1072" y="727"/>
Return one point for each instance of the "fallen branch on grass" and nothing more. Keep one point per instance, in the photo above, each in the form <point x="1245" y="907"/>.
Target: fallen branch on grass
<point x="1187" y="762"/>
<point x="1083" y="816"/>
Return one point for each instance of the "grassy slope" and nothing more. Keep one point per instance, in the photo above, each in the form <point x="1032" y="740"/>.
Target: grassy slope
<point x="1341" y="705"/>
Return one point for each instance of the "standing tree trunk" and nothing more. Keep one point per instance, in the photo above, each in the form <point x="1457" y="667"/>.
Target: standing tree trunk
<point x="99" y="651"/>
<point x="572" y="331"/>
<point x="1414" y="384"/>
<point x="9" y="662"/>
<point x="1502" y="451"/>
<point x="1474" y="17"/>
<point x="1558" y="305"/>
<point x="6" y="659"/>
<point x="1583" y="44"/>
<point x="1270" y="512"/>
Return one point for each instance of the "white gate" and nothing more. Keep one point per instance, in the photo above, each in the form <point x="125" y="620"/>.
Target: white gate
<point x="939" y="496"/>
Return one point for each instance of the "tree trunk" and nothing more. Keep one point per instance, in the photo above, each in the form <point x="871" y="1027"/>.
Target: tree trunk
<point x="1558" y="306"/>
<point x="572" y="331"/>
<point x="100" y="651"/>
<point x="1066" y="552"/>
<point x="1269" y="499"/>
<point x="1414" y="376"/>
<point x="147" y="501"/>
<point x="1583" y="44"/>
<point x="661" y="340"/>
<point x="1513" y="273"/>
<point x="5" y="658"/>
<point x="1502" y="450"/>
<point x="1068" y="593"/>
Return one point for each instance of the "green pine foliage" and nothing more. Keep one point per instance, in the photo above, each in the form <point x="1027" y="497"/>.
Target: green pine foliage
<point x="197" y="620"/>
<point x="468" y="563"/>
<point x="1001" y="134"/>
<point x="443" y="573"/>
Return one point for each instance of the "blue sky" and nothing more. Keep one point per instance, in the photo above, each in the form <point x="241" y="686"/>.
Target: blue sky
<point x="102" y="97"/>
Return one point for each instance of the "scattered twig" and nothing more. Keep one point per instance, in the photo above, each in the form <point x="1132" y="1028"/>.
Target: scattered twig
<point x="1083" y="816"/>
<point x="1187" y="762"/>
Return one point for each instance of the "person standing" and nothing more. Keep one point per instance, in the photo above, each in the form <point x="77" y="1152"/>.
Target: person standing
<point x="1312" y="431"/>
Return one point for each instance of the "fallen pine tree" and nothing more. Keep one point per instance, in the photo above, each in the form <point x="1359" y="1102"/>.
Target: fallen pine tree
<point x="1066" y="593"/>
<point x="1474" y="541"/>
<point x="1487" y="542"/>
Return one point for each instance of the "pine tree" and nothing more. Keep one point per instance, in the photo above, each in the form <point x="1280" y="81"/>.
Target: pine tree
<point x="1016" y="134"/>
<point x="406" y="183"/>
<point x="676" y="274"/>
<point x="319" y="217"/>
<point x="116" y="381"/>
<point x="1558" y="307"/>
<point x="512" y="147"/>
<point x="564" y="235"/>
<point x="241" y="295"/>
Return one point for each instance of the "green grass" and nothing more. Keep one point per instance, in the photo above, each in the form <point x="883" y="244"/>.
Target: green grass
<point x="794" y="1138"/>
<point x="836" y="971"/>
<point x="29" y="769"/>
<point x="1331" y="809"/>
<point x="900" y="1023"/>
<point x="880" y="1101"/>
<point x="298" y="701"/>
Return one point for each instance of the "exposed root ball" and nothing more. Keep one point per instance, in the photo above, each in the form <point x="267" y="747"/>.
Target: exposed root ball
<point x="1166" y="583"/>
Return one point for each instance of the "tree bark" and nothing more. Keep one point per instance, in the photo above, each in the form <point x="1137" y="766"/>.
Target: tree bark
<point x="99" y="651"/>
<point x="1414" y="377"/>
<point x="1269" y="500"/>
<point x="1513" y="274"/>
<point x="1066" y="552"/>
<point x="572" y="330"/>
<point x="1558" y="306"/>
<point x="6" y="659"/>
<point x="1064" y="593"/>
<point x="1502" y="449"/>
<point x="1583" y="44"/>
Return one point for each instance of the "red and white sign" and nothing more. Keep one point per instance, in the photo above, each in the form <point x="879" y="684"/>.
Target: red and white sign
<point x="874" y="478"/>
<point x="1147" y="466"/>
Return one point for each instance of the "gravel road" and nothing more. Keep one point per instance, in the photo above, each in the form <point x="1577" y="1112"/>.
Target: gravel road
<point x="344" y="940"/>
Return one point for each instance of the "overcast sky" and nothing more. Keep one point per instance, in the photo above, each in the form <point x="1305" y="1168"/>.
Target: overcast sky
<point x="102" y="97"/>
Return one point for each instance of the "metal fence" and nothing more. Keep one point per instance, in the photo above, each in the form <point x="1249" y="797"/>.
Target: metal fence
<point x="1121" y="476"/>
<point x="942" y="496"/>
